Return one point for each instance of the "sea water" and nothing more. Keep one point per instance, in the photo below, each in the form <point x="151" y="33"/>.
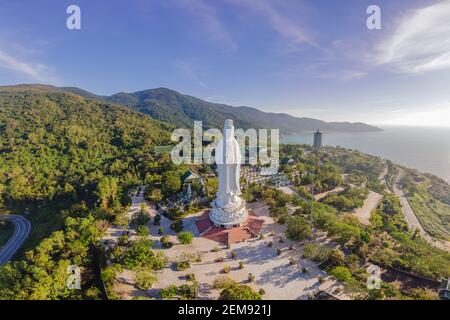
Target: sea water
<point x="423" y="148"/>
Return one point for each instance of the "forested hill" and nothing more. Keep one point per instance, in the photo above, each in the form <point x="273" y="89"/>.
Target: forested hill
<point x="60" y="145"/>
<point x="181" y="110"/>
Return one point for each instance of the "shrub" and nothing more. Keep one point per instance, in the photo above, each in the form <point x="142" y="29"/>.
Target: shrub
<point x="145" y="278"/>
<point x="233" y="255"/>
<point x="222" y="282"/>
<point x="262" y="292"/>
<point x="169" y="292"/>
<point x="165" y="242"/>
<point x="157" y="220"/>
<point x="292" y="261"/>
<point x="188" y="291"/>
<point x="182" y="265"/>
<point x="160" y="230"/>
<point x="184" y="260"/>
<point x="123" y="240"/>
<point x="278" y="251"/>
<point x="142" y="231"/>
<point x="185" y="237"/>
<point x="336" y="257"/>
<point x="177" y="226"/>
<point x="142" y="218"/>
<point x="108" y="274"/>
<point x="270" y="244"/>
<point x="93" y="293"/>
<point x="198" y="257"/>
<point x="251" y="277"/>
<point x="239" y="292"/>
<point x="190" y="277"/>
<point x="226" y="269"/>
<point x="241" y="265"/>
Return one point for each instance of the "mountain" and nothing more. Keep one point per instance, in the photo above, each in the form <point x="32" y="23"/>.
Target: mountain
<point x="181" y="110"/>
<point x="58" y="144"/>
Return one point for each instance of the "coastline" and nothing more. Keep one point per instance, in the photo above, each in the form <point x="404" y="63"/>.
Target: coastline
<point x="421" y="148"/>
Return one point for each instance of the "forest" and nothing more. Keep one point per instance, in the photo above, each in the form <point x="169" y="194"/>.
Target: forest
<point x="66" y="163"/>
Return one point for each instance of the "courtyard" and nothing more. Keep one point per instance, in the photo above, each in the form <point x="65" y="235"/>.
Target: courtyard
<point x="269" y="259"/>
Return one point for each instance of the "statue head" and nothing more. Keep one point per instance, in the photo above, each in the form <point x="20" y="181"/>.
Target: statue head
<point x="229" y="124"/>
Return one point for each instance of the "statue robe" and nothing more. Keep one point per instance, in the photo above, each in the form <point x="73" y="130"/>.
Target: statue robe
<point x="228" y="159"/>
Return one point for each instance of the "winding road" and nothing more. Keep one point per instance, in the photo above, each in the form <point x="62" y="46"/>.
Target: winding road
<point x="22" y="228"/>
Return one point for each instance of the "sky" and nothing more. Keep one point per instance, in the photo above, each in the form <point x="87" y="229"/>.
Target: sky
<point x="313" y="58"/>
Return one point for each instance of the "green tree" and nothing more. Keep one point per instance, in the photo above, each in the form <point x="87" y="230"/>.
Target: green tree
<point x="342" y="273"/>
<point x="298" y="229"/>
<point x="138" y="255"/>
<point x="171" y="182"/>
<point x="107" y="191"/>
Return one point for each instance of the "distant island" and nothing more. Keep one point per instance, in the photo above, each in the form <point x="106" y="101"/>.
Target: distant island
<point x="181" y="110"/>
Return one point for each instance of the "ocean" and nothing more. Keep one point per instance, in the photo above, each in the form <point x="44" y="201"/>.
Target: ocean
<point x="423" y="148"/>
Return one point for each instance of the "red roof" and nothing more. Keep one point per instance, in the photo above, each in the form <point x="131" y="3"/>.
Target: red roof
<point x="249" y="229"/>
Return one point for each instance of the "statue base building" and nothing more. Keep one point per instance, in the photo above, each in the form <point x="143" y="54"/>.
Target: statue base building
<point x="229" y="216"/>
<point x="248" y="229"/>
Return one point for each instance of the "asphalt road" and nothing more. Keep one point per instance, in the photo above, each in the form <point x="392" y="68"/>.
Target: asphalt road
<point x="22" y="228"/>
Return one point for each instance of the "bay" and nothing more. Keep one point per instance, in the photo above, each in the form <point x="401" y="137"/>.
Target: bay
<point x="423" y="148"/>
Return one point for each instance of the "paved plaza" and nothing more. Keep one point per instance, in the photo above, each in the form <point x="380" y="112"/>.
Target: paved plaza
<point x="273" y="272"/>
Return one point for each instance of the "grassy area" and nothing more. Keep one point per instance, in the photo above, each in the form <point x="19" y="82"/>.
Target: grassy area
<point x="428" y="198"/>
<point x="433" y="214"/>
<point x="6" y="231"/>
<point x="391" y="175"/>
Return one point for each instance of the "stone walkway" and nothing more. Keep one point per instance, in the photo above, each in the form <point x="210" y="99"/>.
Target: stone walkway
<point x="370" y="204"/>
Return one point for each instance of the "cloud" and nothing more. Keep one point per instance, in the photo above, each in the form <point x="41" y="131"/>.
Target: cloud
<point x="211" y="22"/>
<point x="420" y="42"/>
<point x="343" y="75"/>
<point x="433" y="116"/>
<point x="188" y="69"/>
<point x="32" y="71"/>
<point x="279" y="21"/>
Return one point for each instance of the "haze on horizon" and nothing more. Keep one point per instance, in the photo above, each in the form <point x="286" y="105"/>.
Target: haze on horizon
<point x="305" y="58"/>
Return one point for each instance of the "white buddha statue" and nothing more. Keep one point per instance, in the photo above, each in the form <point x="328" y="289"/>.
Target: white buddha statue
<point x="228" y="209"/>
